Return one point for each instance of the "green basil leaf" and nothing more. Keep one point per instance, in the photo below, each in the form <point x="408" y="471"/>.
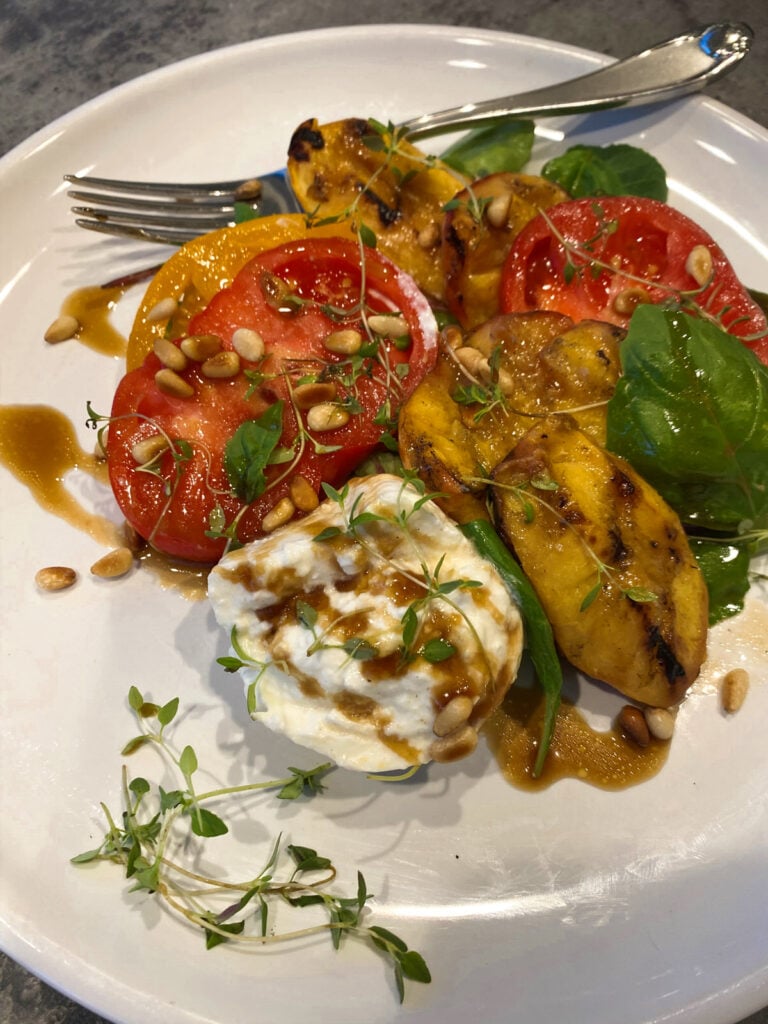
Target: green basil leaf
<point x="248" y="452"/>
<point x="505" y="146"/>
<point x="618" y="170"/>
<point x="725" y="569"/>
<point x="690" y="413"/>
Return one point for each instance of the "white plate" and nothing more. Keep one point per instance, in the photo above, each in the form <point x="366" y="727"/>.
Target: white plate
<point x="572" y="904"/>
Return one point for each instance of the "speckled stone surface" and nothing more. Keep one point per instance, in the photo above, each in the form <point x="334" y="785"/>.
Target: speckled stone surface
<point x="55" y="54"/>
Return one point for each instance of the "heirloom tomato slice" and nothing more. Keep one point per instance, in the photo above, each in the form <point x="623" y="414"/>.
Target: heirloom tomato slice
<point x="197" y="461"/>
<point x="598" y="258"/>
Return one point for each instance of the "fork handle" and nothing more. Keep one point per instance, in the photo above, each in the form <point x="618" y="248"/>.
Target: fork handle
<point x="668" y="70"/>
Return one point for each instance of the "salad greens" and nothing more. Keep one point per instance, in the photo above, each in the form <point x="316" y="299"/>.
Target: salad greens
<point x="690" y="413"/>
<point x="505" y="146"/>
<point x="617" y="170"/>
<point x="613" y="170"/>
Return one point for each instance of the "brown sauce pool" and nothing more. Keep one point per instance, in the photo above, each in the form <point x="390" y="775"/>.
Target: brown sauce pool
<point x="606" y="759"/>
<point x="92" y="308"/>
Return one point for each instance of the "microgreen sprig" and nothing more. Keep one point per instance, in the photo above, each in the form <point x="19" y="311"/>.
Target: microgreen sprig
<point x="145" y="839"/>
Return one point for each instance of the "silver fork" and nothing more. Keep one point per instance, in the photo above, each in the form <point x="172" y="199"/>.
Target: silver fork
<point x="173" y="213"/>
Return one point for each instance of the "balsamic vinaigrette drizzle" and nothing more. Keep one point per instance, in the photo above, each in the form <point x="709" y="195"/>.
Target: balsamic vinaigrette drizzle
<point x="39" y="446"/>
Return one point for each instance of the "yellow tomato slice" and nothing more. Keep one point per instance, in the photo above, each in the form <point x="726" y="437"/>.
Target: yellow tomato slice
<point x="202" y="267"/>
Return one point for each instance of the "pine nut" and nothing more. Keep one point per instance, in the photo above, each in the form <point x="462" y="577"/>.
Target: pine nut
<point x="327" y="416"/>
<point x="454" y="714"/>
<point x="626" y="301"/>
<point x="63" y="328"/>
<point x="735" y="687"/>
<point x="388" y="325"/>
<point x="303" y="494"/>
<point x="169" y="355"/>
<point x="55" y="577"/>
<point x="199" y="347"/>
<point x="631" y="721"/>
<point x="473" y="361"/>
<point x="457" y="744"/>
<point x="133" y="539"/>
<point x="344" y="342"/>
<point x="148" y="448"/>
<point x="170" y="383"/>
<point x="699" y="264"/>
<point x="278" y="515"/>
<point x="248" y="190"/>
<point x="115" y="563"/>
<point x="248" y="344"/>
<point x="163" y="310"/>
<point x="314" y="393"/>
<point x="660" y="722"/>
<point x="429" y="236"/>
<point x="452" y="337"/>
<point x="497" y="211"/>
<point x="221" y="366"/>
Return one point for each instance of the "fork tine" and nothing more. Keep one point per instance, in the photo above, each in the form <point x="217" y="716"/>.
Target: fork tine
<point x="193" y="222"/>
<point x="165" y="236"/>
<point x="175" y="189"/>
<point x="171" y="213"/>
<point x="173" y="206"/>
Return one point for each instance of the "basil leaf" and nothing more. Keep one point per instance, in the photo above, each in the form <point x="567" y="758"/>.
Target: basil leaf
<point x="725" y="569"/>
<point x="618" y="170"/>
<point x="248" y="452"/>
<point x="505" y="146"/>
<point x="690" y="413"/>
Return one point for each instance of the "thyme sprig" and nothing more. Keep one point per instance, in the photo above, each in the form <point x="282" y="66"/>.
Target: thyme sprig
<point x="435" y="649"/>
<point x="146" y="839"/>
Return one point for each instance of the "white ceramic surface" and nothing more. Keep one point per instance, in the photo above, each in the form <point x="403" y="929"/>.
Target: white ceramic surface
<point x="571" y="904"/>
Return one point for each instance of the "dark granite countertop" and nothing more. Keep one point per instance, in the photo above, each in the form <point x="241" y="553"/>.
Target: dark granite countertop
<point x="55" y="54"/>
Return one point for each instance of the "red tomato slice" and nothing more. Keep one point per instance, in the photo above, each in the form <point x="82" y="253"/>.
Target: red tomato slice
<point x="294" y="296"/>
<point x="557" y="262"/>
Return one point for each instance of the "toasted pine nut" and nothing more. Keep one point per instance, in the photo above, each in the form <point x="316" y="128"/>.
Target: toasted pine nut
<point x="699" y="264"/>
<point x="55" y="577"/>
<point x="660" y="722"/>
<point x="388" y="325"/>
<point x="169" y="355"/>
<point x="246" y="190"/>
<point x="163" y="310"/>
<point x="278" y="515"/>
<point x="148" y="448"/>
<point x="735" y="687"/>
<point x="626" y="301"/>
<point x="303" y="494"/>
<point x="224" y="364"/>
<point x="327" y="416"/>
<point x="632" y="723"/>
<point x="248" y="344"/>
<point x="62" y="328"/>
<point x="497" y="211"/>
<point x="473" y="361"/>
<point x="133" y="538"/>
<point x="452" y="336"/>
<point x="429" y="235"/>
<point x="170" y="383"/>
<point x="199" y="347"/>
<point x="344" y="342"/>
<point x="457" y="744"/>
<point x="454" y="714"/>
<point x="115" y="563"/>
<point x="313" y="393"/>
